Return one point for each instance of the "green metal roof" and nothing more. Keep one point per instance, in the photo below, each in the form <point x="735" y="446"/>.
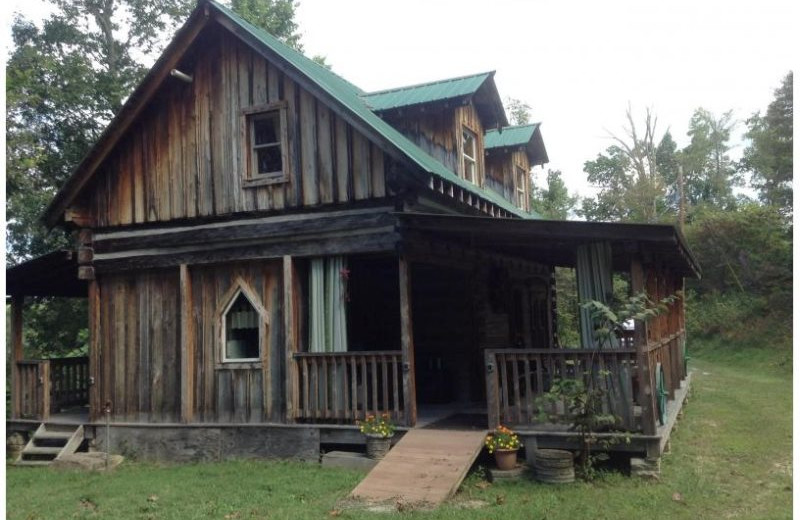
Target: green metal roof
<point x="441" y="90"/>
<point x="349" y="96"/>
<point x="509" y="136"/>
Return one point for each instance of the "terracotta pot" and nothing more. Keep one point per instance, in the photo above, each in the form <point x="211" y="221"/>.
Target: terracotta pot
<point x="377" y="446"/>
<point x="505" y="459"/>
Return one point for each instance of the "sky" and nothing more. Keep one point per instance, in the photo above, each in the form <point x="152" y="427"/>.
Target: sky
<point x="578" y="64"/>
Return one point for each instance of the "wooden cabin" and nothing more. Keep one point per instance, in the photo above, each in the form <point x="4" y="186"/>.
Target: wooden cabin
<point x="270" y="253"/>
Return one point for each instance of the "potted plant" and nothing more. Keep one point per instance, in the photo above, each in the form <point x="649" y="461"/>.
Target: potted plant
<point x="379" y="430"/>
<point x="503" y="443"/>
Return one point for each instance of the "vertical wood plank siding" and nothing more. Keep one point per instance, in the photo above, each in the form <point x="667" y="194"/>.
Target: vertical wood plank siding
<point x="140" y="346"/>
<point x="186" y="157"/>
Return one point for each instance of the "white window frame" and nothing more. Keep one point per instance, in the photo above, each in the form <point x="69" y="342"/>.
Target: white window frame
<point x="522" y="187"/>
<point x="467" y="159"/>
<point x="250" y="115"/>
<point x="238" y="288"/>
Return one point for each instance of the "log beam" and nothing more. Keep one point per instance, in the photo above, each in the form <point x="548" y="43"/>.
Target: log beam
<point x="188" y="346"/>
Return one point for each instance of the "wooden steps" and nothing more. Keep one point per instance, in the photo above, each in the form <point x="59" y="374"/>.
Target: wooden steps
<point x="50" y="443"/>
<point x="426" y="466"/>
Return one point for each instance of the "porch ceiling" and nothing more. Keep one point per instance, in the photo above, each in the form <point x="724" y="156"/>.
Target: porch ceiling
<point x="554" y="242"/>
<point x="53" y="274"/>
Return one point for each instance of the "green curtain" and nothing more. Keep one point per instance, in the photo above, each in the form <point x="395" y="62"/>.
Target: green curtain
<point x="328" y="309"/>
<point x="593" y="271"/>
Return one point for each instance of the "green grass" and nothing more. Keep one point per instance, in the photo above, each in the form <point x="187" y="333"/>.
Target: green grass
<point x="731" y="458"/>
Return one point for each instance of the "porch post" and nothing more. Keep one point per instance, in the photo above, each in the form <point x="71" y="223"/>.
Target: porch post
<point x="646" y="395"/>
<point x="290" y="338"/>
<point x="95" y="406"/>
<point x="16" y="352"/>
<point x="407" y="344"/>
<point x="187" y="346"/>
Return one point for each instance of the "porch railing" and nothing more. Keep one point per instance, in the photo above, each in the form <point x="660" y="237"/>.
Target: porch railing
<point x="346" y="386"/>
<point x="69" y="379"/>
<point x="31" y="392"/>
<point x="517" y="379"/>
<point x="45" y="385"/>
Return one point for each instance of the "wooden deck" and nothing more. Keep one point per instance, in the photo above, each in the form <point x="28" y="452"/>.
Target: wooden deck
<point x="426" y="466"/>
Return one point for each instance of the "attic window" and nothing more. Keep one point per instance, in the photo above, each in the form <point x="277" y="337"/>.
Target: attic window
<point x="469" y="145"/>
<point x="265" y="143"/>
<point x="522" y="191"/>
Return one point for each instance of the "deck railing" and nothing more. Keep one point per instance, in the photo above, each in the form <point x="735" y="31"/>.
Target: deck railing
<point x="69" y="379"/>
<point x="346" y="386"/>
<point x="45" y="385"/>
<point x="31" y="392"/>
<point x="517" y="379"/>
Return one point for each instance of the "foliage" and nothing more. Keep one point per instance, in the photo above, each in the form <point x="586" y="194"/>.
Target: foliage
<point x="609" y="323"/>
<point x="746" y="289"/>
<point x="567" y="307"/>
<point x="631" y="187"/>
<point x="709" y="172"/>
<point x="769" y="158"/>
<point x="380" y="425"/>
<point x="274" y="16"/>
<point x="583" y="406"/>
<point x="553" y="200"/>
<point x="519" y="112"/>
<point x="502" y="438"/>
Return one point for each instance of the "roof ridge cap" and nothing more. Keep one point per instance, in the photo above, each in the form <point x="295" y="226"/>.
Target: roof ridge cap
<point x="489" y="74"/>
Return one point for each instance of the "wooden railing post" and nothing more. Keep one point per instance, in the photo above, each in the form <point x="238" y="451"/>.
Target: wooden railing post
<point x="646" y="381"/>
<point x="17" y="302"/>
<point x="290" y="338"/>
<point x="492" y="389"/>
<point x="43" y="387"/>
<point x="407" y="344"/>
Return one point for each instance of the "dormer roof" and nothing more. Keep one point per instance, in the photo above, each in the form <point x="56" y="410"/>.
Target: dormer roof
<point x="522" y="136"/>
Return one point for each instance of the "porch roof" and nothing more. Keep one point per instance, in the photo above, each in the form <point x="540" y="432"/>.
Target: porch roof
<point x="52" y="274"/>
<point x="554" y="242"/>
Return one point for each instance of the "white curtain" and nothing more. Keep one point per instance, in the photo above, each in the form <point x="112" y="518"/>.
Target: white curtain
<point x="327" y="305"/>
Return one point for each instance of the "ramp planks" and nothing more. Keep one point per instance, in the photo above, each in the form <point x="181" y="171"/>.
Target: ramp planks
<point x="426" y="466"/>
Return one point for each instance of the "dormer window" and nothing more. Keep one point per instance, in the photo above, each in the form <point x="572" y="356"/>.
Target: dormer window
<point x="469" y="145"/>
<point x="522" y="185"/>
<point x="266" y="144"/>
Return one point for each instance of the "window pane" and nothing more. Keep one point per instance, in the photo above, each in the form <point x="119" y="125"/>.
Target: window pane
<point x="266" y="129"/>
<point x="241" y="330"/>
<point x="268" y="160"/>
<point x="469" y="172"/>
<point x="469" y="144"/>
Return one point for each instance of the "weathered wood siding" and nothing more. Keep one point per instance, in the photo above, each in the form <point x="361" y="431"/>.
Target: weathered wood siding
<point x="139" y="334"/>
<point x="500" y="167"/>
<point x="138" y="369"/>
<point x="438" y="132"/>
<point x="184" y="156"/>
<point x="237" y="395"/>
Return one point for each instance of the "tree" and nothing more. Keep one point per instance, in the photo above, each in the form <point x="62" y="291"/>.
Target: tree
<point x="274" y="16"/>
<point x="553" y="200"/>
<point x="709" y="171"/>
<point x="519" y="112"/>
<point x="630" y="183"/>
<point x="768" y="157"/>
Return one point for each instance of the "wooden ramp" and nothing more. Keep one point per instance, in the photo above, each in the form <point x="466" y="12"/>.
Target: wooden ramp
<point x="49" y="443"/>
<point x="425" y="466"/>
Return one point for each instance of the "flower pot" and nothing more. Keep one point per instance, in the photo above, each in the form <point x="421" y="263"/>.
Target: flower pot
<point x="378" y="446"/>
<point x="505" y="459"/>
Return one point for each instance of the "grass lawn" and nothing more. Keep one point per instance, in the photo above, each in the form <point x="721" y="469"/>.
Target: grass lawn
<point x="731" y="458"/>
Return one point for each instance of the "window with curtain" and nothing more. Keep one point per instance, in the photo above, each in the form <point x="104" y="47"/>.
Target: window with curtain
<point x="328" y="304"/>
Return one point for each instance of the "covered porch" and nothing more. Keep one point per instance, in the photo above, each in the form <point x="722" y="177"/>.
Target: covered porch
<point x="56" y="388"/>
<point x="477" y="338"/>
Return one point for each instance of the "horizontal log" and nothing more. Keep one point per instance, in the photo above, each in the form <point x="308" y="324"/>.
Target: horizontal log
<point x="368" y="353"/>
<point x="382" y="240"/>
<point x="241" y="230"/>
